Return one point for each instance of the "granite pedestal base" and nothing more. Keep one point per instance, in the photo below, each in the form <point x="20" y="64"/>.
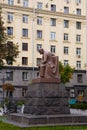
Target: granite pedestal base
<point x="46" y="98"/>
<point x="25" y="120"/>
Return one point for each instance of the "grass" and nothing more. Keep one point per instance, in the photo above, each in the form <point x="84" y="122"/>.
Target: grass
<point x="5" y="126"/>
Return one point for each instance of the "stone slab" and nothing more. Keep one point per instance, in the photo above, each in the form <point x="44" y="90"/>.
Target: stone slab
<point x="26" y="120"/>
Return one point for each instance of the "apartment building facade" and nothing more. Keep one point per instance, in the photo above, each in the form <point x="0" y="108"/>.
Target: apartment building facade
<point x="55" y="25"/>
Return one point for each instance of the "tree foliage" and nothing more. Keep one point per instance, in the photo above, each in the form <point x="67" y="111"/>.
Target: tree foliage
<point x="8" y="50"/>
<point x="65" y="72"/>
<point x="8" y="87"/>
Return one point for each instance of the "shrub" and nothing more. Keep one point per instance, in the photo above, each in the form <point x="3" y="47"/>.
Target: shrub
<point x="82" y="106"/>
<point x="19" y="103"/>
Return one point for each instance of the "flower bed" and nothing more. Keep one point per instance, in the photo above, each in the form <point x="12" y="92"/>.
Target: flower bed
<point x="78" y="108"/>
<point x="78" y="111"/>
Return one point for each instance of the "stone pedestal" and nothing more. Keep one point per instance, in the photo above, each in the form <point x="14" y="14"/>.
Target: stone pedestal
<point x="46" y="98"/>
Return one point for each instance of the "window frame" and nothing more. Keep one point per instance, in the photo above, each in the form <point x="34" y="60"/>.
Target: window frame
<point x="66" y="36"/>
<point x="25" y="18"/>
<point x="53" y="7"/>
<point x="25" y="3"/>
<point x="53" y="48"/>
<point x="39" y="20"/>
<point x="66" y="23"/>
<point x="24" y="60"/>
<point x="78" y="64"/>
<point x="66" y="50"/>
<point x="78" y="38"/>
<point x="39" y="34"/>
<point x="10" y="30"/>
<point x="24" y="46"/>
<point x="78" y="25"/>
<point x="25" y="32"/>
<point x="10" y="17"/>
<point x="53" y="22"/>
<point x="39" y="5"/>
<point x="52" y="35"/>
<point x="25" y="76"/>
<point x="66" y="10"/>
<point x="66" y="62"/>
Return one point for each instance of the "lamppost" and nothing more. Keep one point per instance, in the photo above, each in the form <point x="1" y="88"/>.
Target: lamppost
<point x="33" y="34"/>
<point x="86" y="38"/>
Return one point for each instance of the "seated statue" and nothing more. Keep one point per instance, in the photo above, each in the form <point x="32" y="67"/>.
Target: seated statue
<point x="49" y="65"/>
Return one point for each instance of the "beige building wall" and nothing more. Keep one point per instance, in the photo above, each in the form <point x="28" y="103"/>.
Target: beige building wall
<point x="33" y="12"/>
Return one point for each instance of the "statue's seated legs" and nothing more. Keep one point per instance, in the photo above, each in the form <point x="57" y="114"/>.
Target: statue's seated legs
<point x="42" y="71"/>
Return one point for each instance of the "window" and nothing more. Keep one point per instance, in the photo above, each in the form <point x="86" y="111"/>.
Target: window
<point x="78" y="38"/>
<point x="39" y="34"/>
<point x="72" y="93"/>
<point x="39" y="46"/>
<point x="65" y="62"/>
<point x="38" y="61"/>
<point x="25" y="18"/>
<point x="66" y="23"/>
<point x="25" y="76"/>
<point x="78" y="1"/>
<point x="10" y="2"/>
<point x="24" y="60"/>
<point x="25" y="32"/>
<point x="66" y="10"/>
<point x="53" y="49"/>
<point x="39" y="20"/>
<point x="9" y="75"/>
<point x="9" y="62"/>
<point x="10" y="30"/>
<point x="67" y="1"/>
<point x="25" y="3"/>
<point x="40" y="5"/>
<point x="53" y="35"/>
<point x="78" y="11"/>
<point x="53" y="7"/>
<point x="9" y="93"/>
<point x="18" y="1"/>
<point x="78" y="64"/>
<point x="24" y="90"/>
<point x="65" y="37"/>
<point x="25" y="46"/>
<point x="66" y="50"/>
<point x="78" y="25"/>
<point x="10" y="17"/>
<point x="53" y="22"/>
<point x="79" y="78"/>
<point x="78" y="51"/>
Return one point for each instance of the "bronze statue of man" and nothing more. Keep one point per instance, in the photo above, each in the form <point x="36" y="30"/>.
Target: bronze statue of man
<point x="49" y="65"/>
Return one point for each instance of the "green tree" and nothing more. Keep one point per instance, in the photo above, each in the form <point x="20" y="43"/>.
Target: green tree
<point x="65" y="72"/>
<point x="8" y="50"/>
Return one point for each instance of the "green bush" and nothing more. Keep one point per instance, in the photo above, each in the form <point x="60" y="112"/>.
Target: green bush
<point x="20" y="103"/>
<point x="82" y="106"/>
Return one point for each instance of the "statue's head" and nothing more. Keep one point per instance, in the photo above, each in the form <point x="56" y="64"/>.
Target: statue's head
<point x="41" y="51"/>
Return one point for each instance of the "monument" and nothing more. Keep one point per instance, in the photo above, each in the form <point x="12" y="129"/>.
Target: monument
<point x="47" y="99"/>
<point x="46" y="96"/>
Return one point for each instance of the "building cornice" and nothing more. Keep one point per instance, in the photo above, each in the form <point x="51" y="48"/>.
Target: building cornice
<point x="45" y="12"/>
<point x="19" y="68"/>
